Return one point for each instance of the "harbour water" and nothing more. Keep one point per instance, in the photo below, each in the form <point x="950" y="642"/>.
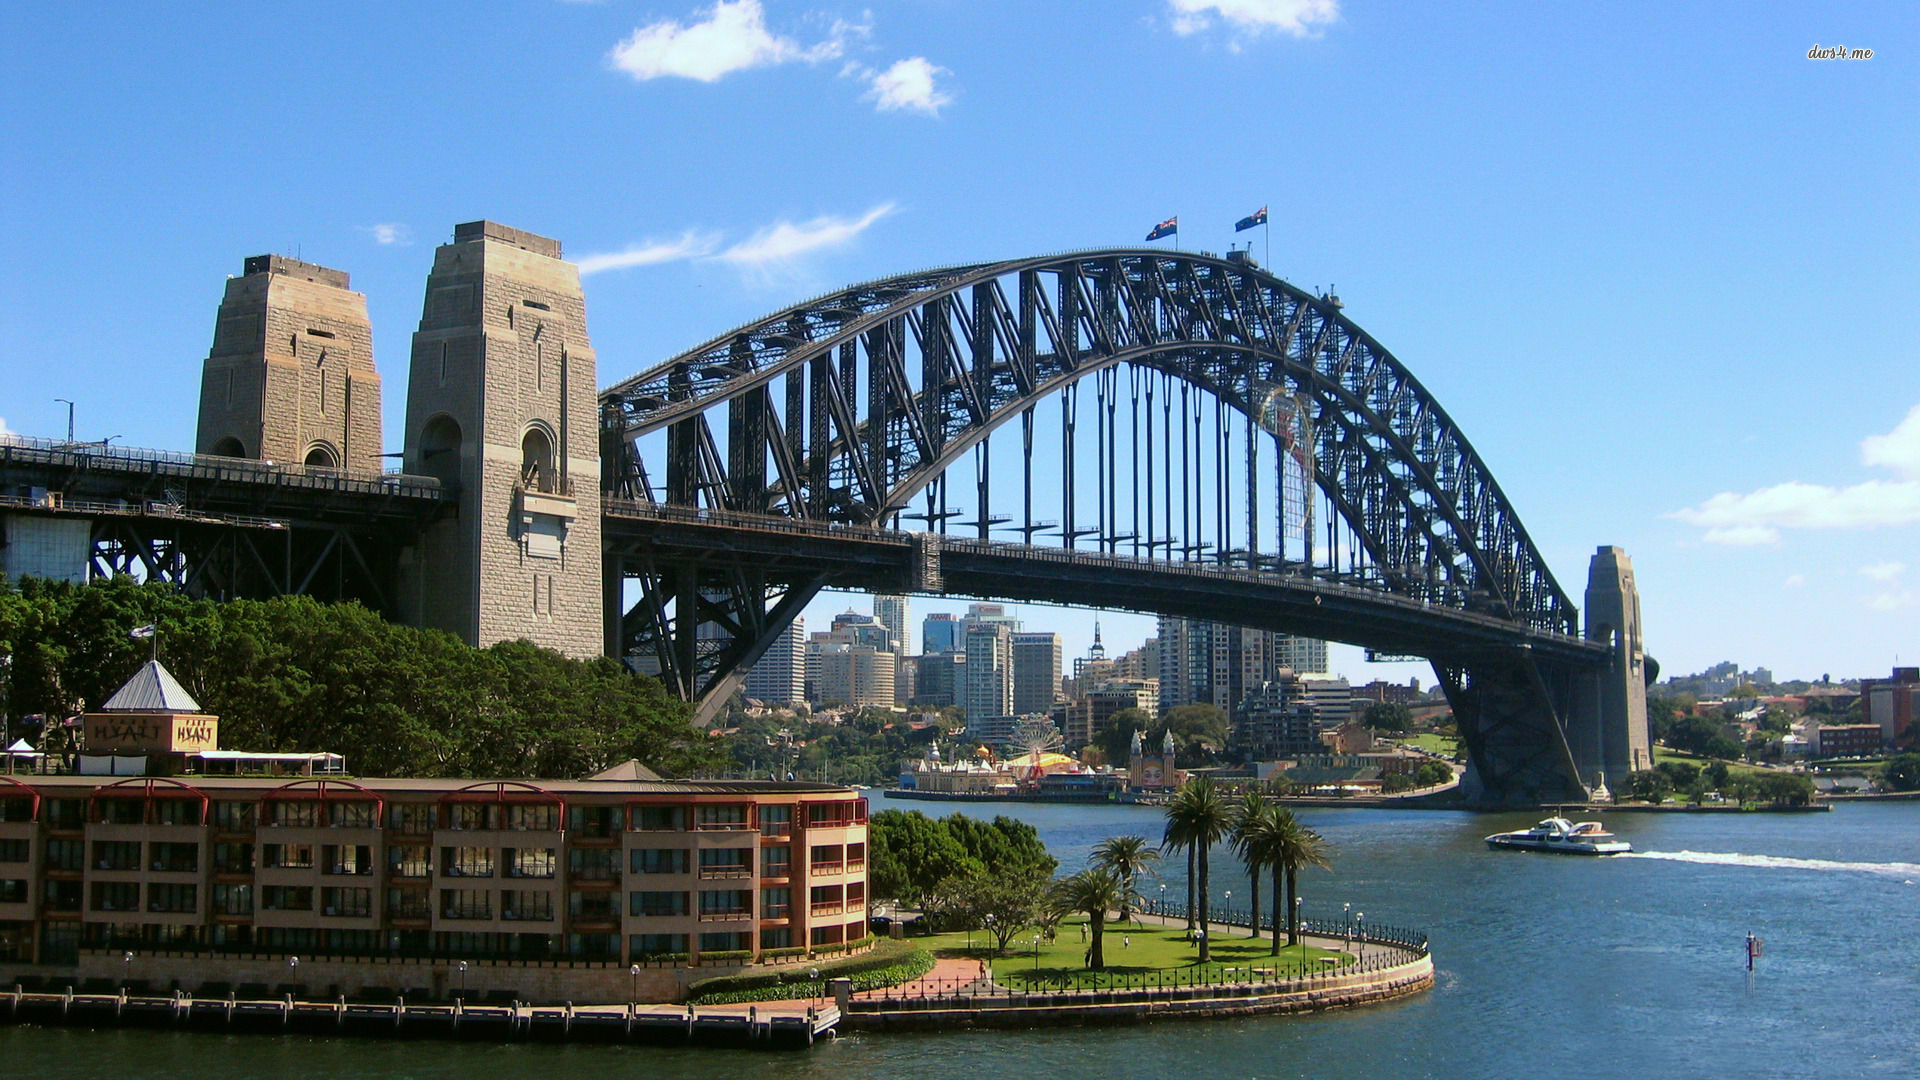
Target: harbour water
<point x="1548" y="966"/>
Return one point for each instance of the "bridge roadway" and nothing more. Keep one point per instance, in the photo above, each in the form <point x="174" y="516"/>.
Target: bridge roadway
<point x="866" y="558"/>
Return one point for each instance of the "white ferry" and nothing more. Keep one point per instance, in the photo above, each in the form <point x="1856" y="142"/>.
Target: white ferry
<point x="1559" y="834"/>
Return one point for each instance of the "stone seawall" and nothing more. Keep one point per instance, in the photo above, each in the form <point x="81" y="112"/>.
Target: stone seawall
<point x="1142" y="1006"/>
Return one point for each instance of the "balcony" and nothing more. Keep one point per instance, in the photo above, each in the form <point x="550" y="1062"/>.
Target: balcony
<point x="713" y="873"/>
<point x="827" y="869"/>
<point x="467" y="911"/>
<point x="828" y="909"/>
<point x="726" y="916"/>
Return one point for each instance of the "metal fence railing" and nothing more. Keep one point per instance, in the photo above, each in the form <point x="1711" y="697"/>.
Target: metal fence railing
<point x="28" y="449"/>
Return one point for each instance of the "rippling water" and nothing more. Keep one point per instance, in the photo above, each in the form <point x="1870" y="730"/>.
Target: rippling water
<point x="1548" y="967"/>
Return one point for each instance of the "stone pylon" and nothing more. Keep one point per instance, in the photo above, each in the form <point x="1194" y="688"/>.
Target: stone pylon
<point x="290" y="376"/>
<point x="502" y="401"/>
<point x="1608" y="730"/>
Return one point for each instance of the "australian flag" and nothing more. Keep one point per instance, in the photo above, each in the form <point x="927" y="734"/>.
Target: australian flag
<point x="1258" y="217"/>
<point x="1165" y="228"/>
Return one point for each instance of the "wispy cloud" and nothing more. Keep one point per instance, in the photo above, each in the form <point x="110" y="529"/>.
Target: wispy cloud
<point x="908" y="84"/>
<point x="1758" y="517"/>
<point x="1795" y="581"/>
<point x="4" y="430"/>
<point x="389" y="232"/>
<point x="734" y="37"/>
<point x="1884" y="571"/>
<point x="785" y="240"/>
<point x="690" y="245"/>
<point x="1891" y="601"/>
<point x="1296" y="17"/>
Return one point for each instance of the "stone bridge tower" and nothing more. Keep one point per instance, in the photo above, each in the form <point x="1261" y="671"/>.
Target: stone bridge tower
<point x="1608" y="734"/>
<point x="290" y="376"/>
<point x="502" y="400"/>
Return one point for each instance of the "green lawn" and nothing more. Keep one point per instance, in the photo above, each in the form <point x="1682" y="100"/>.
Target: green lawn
<point x="1443" y="745"/>
<point x="1135" y="953"/>
<point x="1662" y="754"/>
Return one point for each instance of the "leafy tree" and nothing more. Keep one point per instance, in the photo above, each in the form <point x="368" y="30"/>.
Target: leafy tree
<point x="1002" y="844"/>
<point x="1094" y="891"/>
<point x="1650" y="785"/>
<point x="1783" y="788"/>
<point x="1388" y="716"/>
<point x="1699" y="735"/>
<point x="1116" y="739"/>
<point x="1129" y="857"/>
<point x="1197" y="819"/>
<point x="1431" y="774"/>
<point x="1003" y="901"/>
<point x="1680" y="774"/>
<point x="1250" y="821"/>
<point x="1902" y="772"/>
<point x="911" y="854"/>
<point x="1291" y="845"/>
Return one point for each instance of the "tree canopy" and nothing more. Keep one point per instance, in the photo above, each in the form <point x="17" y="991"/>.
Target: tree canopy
<point x="915" y="858"/>
<point x="295" y="675"/>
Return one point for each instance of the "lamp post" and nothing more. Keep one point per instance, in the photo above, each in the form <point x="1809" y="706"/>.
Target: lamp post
<point x="990" y="921"/>
<point x="69" y="406"/>
<point x="1346" y="920"/>
<point x="463" y="982"/>
<point x="293" y="969"/>
<point x="1161" y="908"/>
<point x="1036" y="954"/>
<point x="126" y="968"/>
<point x="633" y="995"/>
<point x="1360" y="925"/>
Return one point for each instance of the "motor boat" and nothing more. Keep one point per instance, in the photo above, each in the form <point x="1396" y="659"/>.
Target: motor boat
<point x="1559" y="834"/>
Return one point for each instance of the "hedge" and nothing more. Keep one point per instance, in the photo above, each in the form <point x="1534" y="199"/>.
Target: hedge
<point x="890" y="963"/>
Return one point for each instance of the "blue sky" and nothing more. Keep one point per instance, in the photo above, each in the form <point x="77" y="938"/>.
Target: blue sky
<point x="1658" y="264"/>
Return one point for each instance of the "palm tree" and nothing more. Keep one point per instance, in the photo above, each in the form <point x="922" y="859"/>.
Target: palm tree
<point x="1095" y="892"/>
<point x="1249" y="823"/>
<point x="1197" y="819"/>
<point x="1294" y="846"/>
<point x="1129" y="857"/>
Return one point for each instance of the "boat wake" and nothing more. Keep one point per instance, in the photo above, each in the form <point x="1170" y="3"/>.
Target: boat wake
<point x="1908" y="871"/>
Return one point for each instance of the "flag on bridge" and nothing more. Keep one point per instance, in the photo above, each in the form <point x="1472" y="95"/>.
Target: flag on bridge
<point x="1258" y="217"/>
<point x="142" y="632"/>
<point x="1166" y="228"/>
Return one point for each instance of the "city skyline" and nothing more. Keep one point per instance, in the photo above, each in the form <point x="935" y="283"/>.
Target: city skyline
<point x="1602" y="254"/>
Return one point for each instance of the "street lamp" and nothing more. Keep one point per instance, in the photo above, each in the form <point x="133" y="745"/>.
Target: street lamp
<point x="293" y="969"/>
<point x="633" y="997"/>
<point x="126" y="967"/>
<point x="1360" y="925"/>
<point x="1346" y="919"/>
<point x="1036" y="954"/>
<point x="69" y="406"/>
<point x="990" y="921"/>
<point x="463" y="982"/>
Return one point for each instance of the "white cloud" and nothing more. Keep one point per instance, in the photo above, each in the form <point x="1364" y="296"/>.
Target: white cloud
<point x="1795" y="581"/>
<point x="908" y="84"/>
<point x="391" y="232"/>
<point x="691" y="245"/>
<point x="1884" y="571"/>
<point x="1891" y="601"/>
<point x="1899" y="449"/>
<point x="1295" y="17"/>
<point x="781" y="242"/>
<point x="734" y="37"/>
<point x="3" y="426"/>
<point x="1755" y="518"/>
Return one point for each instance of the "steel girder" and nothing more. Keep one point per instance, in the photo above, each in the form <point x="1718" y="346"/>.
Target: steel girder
<point x="992" y="339"/>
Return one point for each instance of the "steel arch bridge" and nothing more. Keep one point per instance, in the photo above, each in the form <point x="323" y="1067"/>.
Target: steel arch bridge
<point x="1255" y="458"/>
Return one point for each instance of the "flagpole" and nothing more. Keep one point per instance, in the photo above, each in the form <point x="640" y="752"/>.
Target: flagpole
<point x="1266" y="230"/>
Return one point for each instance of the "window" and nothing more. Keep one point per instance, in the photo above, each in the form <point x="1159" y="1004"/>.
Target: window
<point x="13" y="891"/>
<point x="61" y="896"/>
<point x="116" y="896"/>
<point x="827" y="858"/>
<point x="116" y="854"/>
<point x="465" y="904"/>
<point x="169" y="858"/>
<point x="660" y="818"/>
<point x="648" y="945"/>
<point x="233" y="899"/>
<point x="657" y="903"/>
<point x="826" y="899"/>
<point x="659" y="860"/>
<point x="175" y="899"/>
<point x="470" y="816"/>
<point x="15" y="850"/>
<point x="536" y="816"/>
<point x="411" y="818"/>
<point x="16" y="809"/>
<point x="409" y="904"/>
<point x="286" y="898"/>
<point x="725" y="903"/>
<point x="286" y="856"/>
<point x="825" y="935"/>
<point x="408" y="860"/>
<point x="233" y="816"/>
<point x="856" y="856"/>
<point x="346" y="859"/>
<point x="346" y="902"/>
<point x="123" y="812"/>
<point x="528" y="862"/>
<point x="593" y="864"/>
<point x="466" y="862"/>
<point x="176" y="812"/>
<point x="293" y="815"/>
<point x="233" y="858"/>
<point x="726" y="862"/>
<point x="66" y="854"/>
<point x="598" y="822"/>
<point x="781" y="938"/>
<point x="732" y="942"/>
<point x="776" y="820"/>
<point x="351" y="815"/>
<point x="776" y="861"/>
<point x="776" y="903"/>
<point x="722" y="817"/>
<point x="66" y="814"/>
<point x="526" y="905"/>
<point x="594" y="906"/>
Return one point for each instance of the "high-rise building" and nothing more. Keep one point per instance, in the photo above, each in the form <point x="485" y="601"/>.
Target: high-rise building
<point x="779" y="677"/>
<point x="988" y="681"/>
<point x="1036" y="671"/>
<point x="1275" y="720"/>
<point x="890" y="611"/>
<point x="940" y="679"/>
<point x="940" y="633"/>
<point x="1212" y="663"/>
<point x="856" y="675"/>
<point x="1299" y="654"/>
